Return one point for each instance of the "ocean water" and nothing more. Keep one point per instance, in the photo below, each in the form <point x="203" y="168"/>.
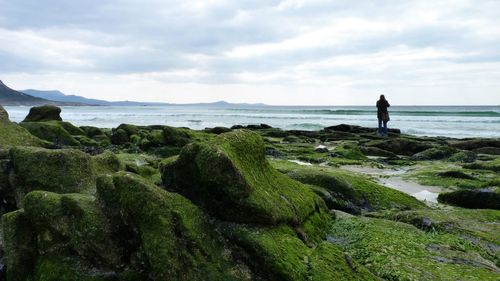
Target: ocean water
<point x="449" y="121"/>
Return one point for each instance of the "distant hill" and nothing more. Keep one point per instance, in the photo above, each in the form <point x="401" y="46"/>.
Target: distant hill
<point x="10" y="96"/>
<point x="56" y="95"/>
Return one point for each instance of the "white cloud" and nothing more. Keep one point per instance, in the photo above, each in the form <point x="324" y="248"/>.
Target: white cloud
<point x="260" y="51"/>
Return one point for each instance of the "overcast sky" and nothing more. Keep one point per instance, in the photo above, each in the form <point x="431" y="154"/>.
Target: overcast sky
<point x="313" y="52"/>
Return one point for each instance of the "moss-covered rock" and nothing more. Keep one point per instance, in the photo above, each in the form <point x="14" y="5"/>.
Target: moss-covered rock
<point x="173" y="235"/>
<point x="72" y="223"/>
<point x="471" y="144"/>
<point x="72" y="129"/>
<point x="18" y="241"/>
<point x="280" y="255"/>
<point x="62" y="171"/>
<point x="349" y="151"/>
<point x="231" y="177"/>
<point x="399" y="251"/>
<point x="493" y="165"/>
<point x="44" y="113"/>
<point x="347" y="191"/>
<point x="120" y="137"/>
<point x="51" y="131"/>
<point x="175" y="136"/>
<point x="473" y="199"/>
<point x="463" y="156"/>
<point x="13" y="134"/>
<point x="400" y="146"/>
<point x="92" y="131"/>
<point x="435" y="153"/>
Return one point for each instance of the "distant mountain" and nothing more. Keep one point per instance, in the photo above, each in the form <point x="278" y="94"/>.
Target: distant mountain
<point x="10" y="96"/>
<point x="55" y="95"/>
<point x="58" y="96"/>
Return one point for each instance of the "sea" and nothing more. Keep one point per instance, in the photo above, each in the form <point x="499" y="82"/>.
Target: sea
<point x="446" y="121"/>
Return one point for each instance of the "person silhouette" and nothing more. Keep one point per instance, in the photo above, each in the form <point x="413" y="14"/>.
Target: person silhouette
<point x="382" y="115"/>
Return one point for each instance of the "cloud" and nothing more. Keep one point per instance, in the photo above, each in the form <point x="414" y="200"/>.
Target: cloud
<point x="348" y="46"/>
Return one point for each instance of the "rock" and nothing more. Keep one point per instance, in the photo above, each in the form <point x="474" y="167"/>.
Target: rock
<point x="492" y="165"/>
<point x="251" y="127"/>
<point x="119" y="137"/>
<point x="473" y="199"/>
<point x="175" y="136"/>
<point x="18" y="244"/>
<point x="349" y="150"/>
<point x="356" y="129"/>
<point x="463" y="156"/>
<point x="456" y="175"/>
<point x="172" y="235"/>
<point x="281" y="255"/>
<point x="488" y="150"/>
<point x="51" y="131"/>
<point x="471" y="144"/>
<point x="217" y="130"/>
<point x="375" y="151"/>
<point x="231" y="177"/>
<point x="4" y="116"/>
<point x="350" y="192"/>
<point x="44" y="113"/>
<point x="129" y="129"/>
<point x="72" y="129"/>
<point x="12" y="134"/>
<point x="59" y="171"/>
<point x="435" y="153"/>
<point x="400" y="146"/>
<point x="92" y="131"/>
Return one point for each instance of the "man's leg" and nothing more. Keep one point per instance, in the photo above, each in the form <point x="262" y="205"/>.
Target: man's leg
<point x="380" y="132"/>
<point x="385" y="128"/>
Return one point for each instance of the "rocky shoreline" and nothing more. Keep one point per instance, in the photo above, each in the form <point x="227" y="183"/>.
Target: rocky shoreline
<point x="243" y="203"/>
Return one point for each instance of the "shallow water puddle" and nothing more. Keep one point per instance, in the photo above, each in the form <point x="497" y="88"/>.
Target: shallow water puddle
<point x="393" y="180"/>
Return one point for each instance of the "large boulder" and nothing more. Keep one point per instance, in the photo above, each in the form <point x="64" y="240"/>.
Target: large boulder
<point x="173" y="236"/>
<point x="58" y="237"/>
<point x="231" y="178"/>
<point x="59" y="171"/>
<point x="44" y="113"/>
<point x="51" y="131"/>
<point x="12" y="134"/>
<point x="473" y="199"/>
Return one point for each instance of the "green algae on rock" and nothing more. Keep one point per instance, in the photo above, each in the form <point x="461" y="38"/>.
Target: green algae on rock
<point x="473" y="199"/>
<point x="50" y="131"/>
<point x="346" y="190"/>
<point x="398" y="251"/>
<point x="60" y="171"/>
<point x="43" y="113"/>
<point x="281" y="255"/>
<point x="231" y="177"/>
<point x="173" y="234"/>
<point x="12" y="134"/>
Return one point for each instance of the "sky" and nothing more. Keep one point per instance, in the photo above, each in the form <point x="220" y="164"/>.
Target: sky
<point x="289" y="52"/>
